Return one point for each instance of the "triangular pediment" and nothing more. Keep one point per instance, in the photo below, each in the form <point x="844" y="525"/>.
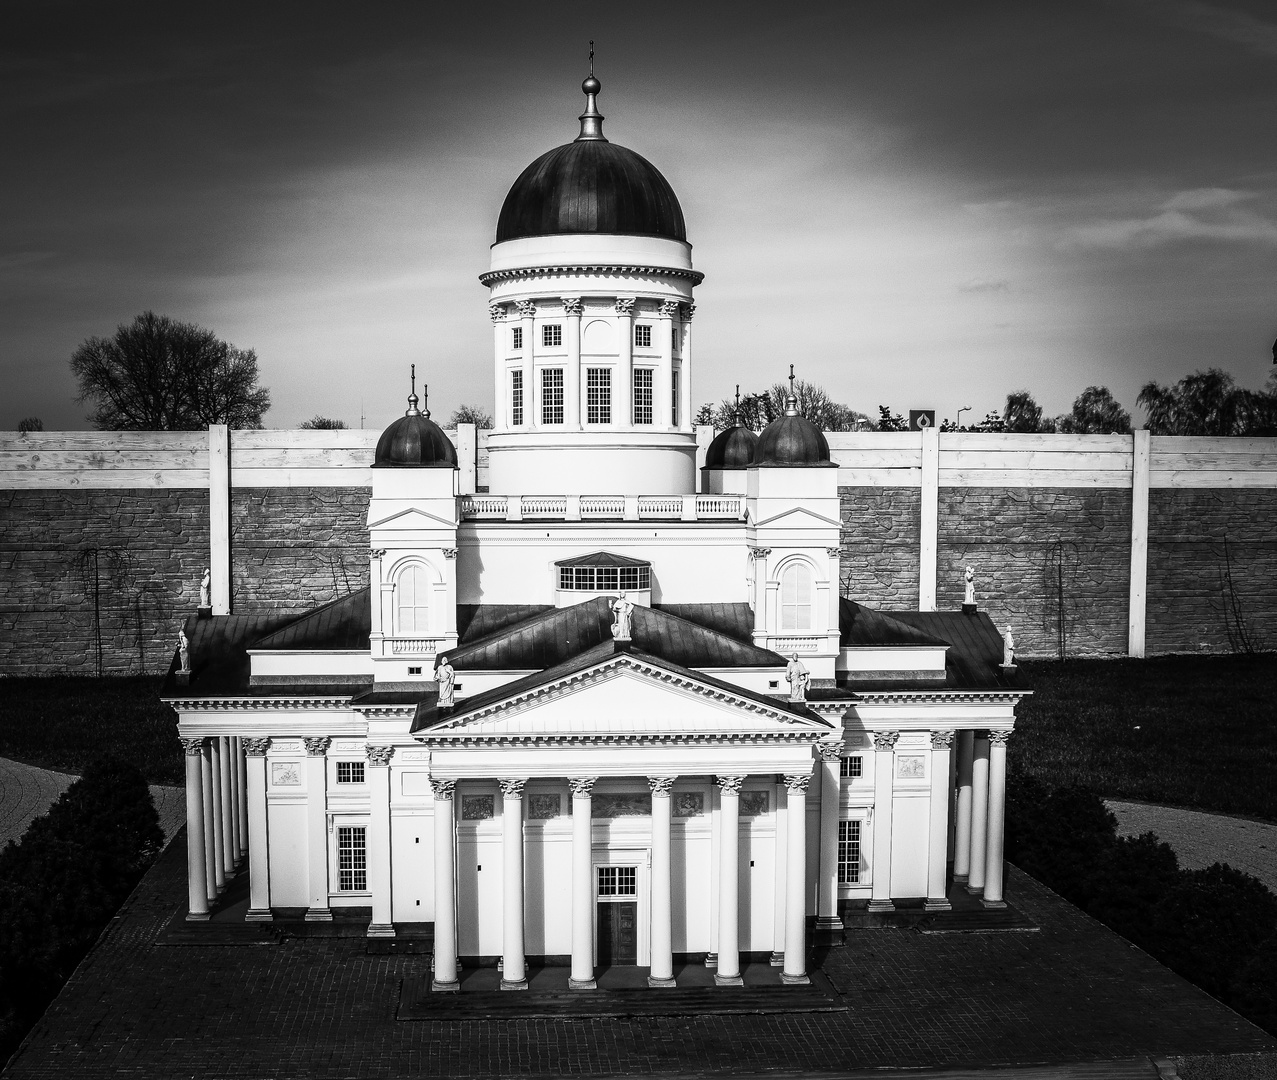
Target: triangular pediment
<point x="798" y="517"/>
<point x="626" y="695"/>
<point x="412" y="517"/>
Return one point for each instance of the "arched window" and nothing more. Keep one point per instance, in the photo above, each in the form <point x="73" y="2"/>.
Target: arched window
<point x="412" y="601"/>
<point x="795" y="597"/>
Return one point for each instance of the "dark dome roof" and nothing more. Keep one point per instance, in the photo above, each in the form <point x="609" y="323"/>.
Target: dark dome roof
<point x="414" y="441"/>
<point x="735" y="448"/>
<point x="792" y="440"/>
<point x="591" y="186"/>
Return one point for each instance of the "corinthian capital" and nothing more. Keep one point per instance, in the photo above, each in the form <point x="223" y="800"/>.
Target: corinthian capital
<point x="885" y="740"/>
<point x="512" y="789"/>
<point x="759" y="552"/>
<point x="669" y="308"/>
<point x="796" y="783"/>
<point x="193" y="747"/>
<point x="660" y="786"/>
<point x="829" y="751"/>
<point x="255" y="747"/>
<point x="317" y="746"/>
<point x="497" y="312"/>
<point x="729" y="785"/>
<point x="999" y="738"/>
<point x="688" y="311"/>
<point x="379" y="755"/>
<point x="527" y="309"/>
<point x="443" y="789"/>
<point x="572" y="305"/>
<point x="625" y="305"/>
<point x="940" y="740"/>
<point x="582" y="786"/>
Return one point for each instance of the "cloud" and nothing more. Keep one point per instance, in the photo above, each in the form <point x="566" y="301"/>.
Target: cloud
<point x="1211" y="214"/>
<point x="1206" y="199"/>
<point x="978" y="285"/>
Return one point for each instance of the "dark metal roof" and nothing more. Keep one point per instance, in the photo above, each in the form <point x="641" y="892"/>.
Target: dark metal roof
<point x="792" y="441"/>
<point x="734" y="448"/>
<point x="218" y="650"/>
<point x="734" y="620"/>
<point x="975" y="646"/>
<point x="344" y="623"/>
<point x="414" y="442"/>
<point x="475" y="621"/>
<point x="591" y="186"/>
<point x="556" y="636"/>
<point x="859" y="625"/>
<point x="602" y="558"/>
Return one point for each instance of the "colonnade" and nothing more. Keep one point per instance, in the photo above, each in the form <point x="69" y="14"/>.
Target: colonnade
<point x="980" y="814"/>
<point x="583" y="886"/>
<point x="216" y="818"/>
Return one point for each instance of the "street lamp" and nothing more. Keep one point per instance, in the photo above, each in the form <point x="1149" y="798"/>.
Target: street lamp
<point x="965" y="408"/>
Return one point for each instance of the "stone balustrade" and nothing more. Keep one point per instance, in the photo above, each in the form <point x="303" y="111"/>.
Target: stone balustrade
<point x="602" y="508"/>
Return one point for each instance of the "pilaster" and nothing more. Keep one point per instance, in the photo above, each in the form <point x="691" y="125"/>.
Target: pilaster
<point x="317" y="829"/>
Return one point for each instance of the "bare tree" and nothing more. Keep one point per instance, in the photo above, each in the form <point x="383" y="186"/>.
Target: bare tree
<point x="158" y="374"/>
<point x="470" y="414"/>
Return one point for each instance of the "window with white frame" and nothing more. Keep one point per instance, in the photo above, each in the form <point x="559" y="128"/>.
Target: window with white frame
<point x="598" y="395"/>
<point x="516" y="337"/>
<point x="852" y="767"/>
<point x="516" y="398"/>
<point x="795" y="597"/>
<point x="674" y="337"/>
<point x="552" y="395"/>
<point x="412" y="601"/>
<point x="605" y="578"/>
<point x="552" y="335"/>
<point x="350" y="772"/>
<point x="848" y="852"/>
<point x="643" y="335"/>
<point x="674" y="397"/>
<point x="642" y="395"/>
<point x="618" y="881"/>
<point x="352" y="858"/>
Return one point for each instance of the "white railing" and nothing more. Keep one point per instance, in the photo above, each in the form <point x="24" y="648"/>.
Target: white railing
<point x="405" y="646"/>
<point x="603" y="507"/>
<point x="787" y="645"/>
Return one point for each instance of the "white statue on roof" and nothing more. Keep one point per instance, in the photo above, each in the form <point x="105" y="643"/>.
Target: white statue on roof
<point x="206" y="588"/>
<point x="1008" y="649"/>
<point x="184" y="652"/>
<point x="798" y="678"/>
<point x="969" y="576"/>
<point x="623" y="610"/>
<point x="446" y="677"/>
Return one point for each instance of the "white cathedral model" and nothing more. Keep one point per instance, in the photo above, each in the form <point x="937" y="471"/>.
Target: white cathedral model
<point x="715" y="769"/>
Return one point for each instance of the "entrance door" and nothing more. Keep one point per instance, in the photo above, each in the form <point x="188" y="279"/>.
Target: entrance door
<point x="618" y="933"/>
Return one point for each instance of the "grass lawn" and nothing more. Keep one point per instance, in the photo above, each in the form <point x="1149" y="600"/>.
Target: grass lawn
<point x="65" y="722"/>
<point x="1192" y="731"/>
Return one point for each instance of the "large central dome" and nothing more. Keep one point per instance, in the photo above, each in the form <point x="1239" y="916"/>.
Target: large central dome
<point x="591" y="186"/>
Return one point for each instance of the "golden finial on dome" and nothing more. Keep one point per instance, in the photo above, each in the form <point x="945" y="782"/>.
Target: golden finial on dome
<point x="591" y="119"/>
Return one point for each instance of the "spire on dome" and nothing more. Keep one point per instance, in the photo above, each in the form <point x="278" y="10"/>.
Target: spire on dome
<point x="791" y="402"/>
<point x="591" y="119"/>
<point x="412" y="396"/>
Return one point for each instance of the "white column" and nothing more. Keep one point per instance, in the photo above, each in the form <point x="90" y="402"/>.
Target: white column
<point x="962" y="810"/>
<point x="884" y="785"/>
<point x="687" y="311"/>
<point x="234" y="840"/>
<point x="1140" y="446"/>
<point x="219" y="518"/>
<point x="514" y="973"/>
<point x="500" y="377"/>
<point x="379" y="879"/>
<point x="317" y="829"/>
<point x="445" y="969"/>
<point x="582" y="977"/>
<point x="827" y="918"/>
<point x="228" y="806"/>
<point x="219" y="818"/>
<point x="573" y="376"/>
<point x="531" y="392"/>
<point x="728" y="973"/>
<point x="212" y="865"/>
<point x="665" y="365"/>
<point x="242" y="762"/>
<point x="661" y="973"/>
<point x="795" y="969"/>
<point x="623" y="391"/>
<point x="758" y="561"/>
<point x="930" y="518"/>
<point x="938" y="834"/>
<point x="196" y="863"/>
<point x="979" y="812"/>
<point x="997" y="819"/>
<point x="258" y="831"/>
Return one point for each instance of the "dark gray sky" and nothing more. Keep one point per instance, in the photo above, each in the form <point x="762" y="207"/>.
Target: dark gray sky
<point x="926" y="204"/>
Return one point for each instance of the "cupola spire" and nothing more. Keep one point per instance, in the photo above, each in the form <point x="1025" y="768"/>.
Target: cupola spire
<point x="591" y="119"/>
<point x="412" y="395"/>
<point x="791" y="402"/>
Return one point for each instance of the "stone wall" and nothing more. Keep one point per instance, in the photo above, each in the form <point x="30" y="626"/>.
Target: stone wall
<point x="880" y="530"/>
<point x="141" y="551"/>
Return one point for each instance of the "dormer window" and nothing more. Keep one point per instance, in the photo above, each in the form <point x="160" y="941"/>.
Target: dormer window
<point x="603" y="574"/>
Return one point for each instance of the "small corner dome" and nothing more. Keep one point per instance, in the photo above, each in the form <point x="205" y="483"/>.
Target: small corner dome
<point x="792" y="441"/>
<point x="734" y="448"/>
<point x="414" y="441"/>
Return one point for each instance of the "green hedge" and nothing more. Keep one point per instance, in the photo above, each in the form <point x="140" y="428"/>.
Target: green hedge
<point x="1216" y="927"/>
<point x="63" y="881"/>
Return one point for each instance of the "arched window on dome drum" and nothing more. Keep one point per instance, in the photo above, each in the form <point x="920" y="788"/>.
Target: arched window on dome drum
<point x="795" y="597"/>
<point x="412" y="601"/>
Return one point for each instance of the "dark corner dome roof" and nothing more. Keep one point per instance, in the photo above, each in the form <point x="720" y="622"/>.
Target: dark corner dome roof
<point x="591" y="186"/>
<point x="414" y="441"/>
<point x="792" y="440"/>
<point x="735" y="448"/>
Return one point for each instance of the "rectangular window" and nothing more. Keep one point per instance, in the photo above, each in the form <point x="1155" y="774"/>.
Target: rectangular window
<point x="352" y="858"/>
<point x="674" y="397"/>
<point x="643" y="336"/>
<point x="848" y="852"/>
<point x="598" y="395"/>
<point x="674" y="336"/>
<point x="605" y="578"/>
<point x="618" y="881"/>
<point x="552" y="395"/>
<point x="516" y="337"/>
<point x="642" y="395"/>
<point x="516" y="398"/>
<point x="350" y="772"/>
<point x="552" y="335"/>
<point x="852" y="767"/>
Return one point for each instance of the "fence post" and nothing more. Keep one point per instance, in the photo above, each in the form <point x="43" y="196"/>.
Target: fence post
<point x="219" y="517"/>
<point x="928" y="539"/>
<point x="1140" y="444"/>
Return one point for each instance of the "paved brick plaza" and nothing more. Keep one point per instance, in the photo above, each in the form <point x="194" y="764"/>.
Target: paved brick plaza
<point x="321" y="1007"/>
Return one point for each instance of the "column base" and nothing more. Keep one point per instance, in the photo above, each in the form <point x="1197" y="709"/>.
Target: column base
<point x="880" y="907"/>
<point x="711" y="961"/>
<point x="661" y="984"/>
<point x="993" y="903"/>
<point x="728" y="980"/>
<point x="521" y="984"/>
<point x="960" y="879"/>
<point x="259" y="915"/>
<point x="937" y="905"/>
<point x="198" y="916"/>
<point x="777" y="959"/>
<point x="582" y="984"/>
<point x="829" y="922"/>
<point x="381" y="930"/>
<point x="794" y="980"/>
<point x="444" y="987"/>
<point x="974" y="890"/>
<point x="322" y="914"/>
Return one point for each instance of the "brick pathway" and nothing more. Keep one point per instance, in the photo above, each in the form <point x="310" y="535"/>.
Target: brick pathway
<point x="26" y="792"/>
<point x="322" y="1007"/>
